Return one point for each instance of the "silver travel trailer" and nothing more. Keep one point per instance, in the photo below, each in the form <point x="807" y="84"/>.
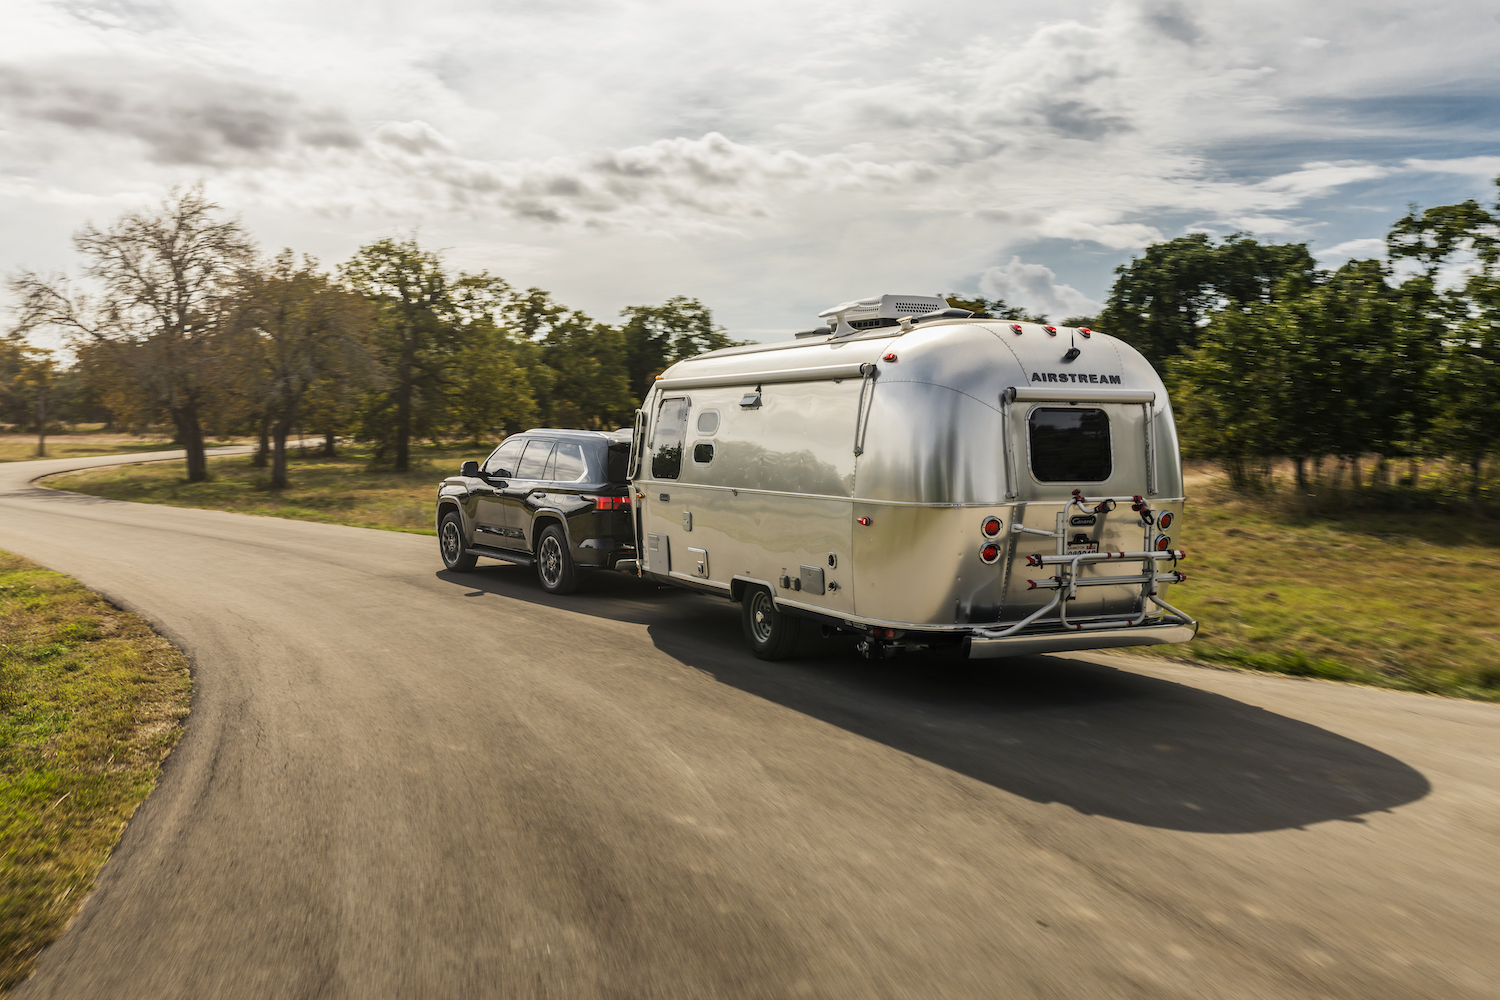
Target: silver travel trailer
<point x="919" y="477"/>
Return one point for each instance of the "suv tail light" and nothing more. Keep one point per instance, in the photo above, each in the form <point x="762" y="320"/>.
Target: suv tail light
<point x="611" y="503"/>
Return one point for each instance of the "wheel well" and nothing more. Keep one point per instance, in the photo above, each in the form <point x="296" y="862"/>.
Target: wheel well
<point x="540" y="525"/>
<point x="444" y="508"/>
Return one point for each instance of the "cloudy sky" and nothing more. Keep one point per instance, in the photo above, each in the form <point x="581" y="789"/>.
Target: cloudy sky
<point x="771" y="158"/>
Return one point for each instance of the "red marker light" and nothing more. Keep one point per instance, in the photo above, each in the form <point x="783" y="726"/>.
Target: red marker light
<point x="989" y="553"/>
<point x="1085" y="331"/>
<point x="889" y="357"/>
<point x="1165" y="520"/>
<point x="1015" y="328"/>
<point x="992" y="526"/>
<point x="1051" y="330"/>
<point x="865" y="521"/>
<point x="1163" y="543"/>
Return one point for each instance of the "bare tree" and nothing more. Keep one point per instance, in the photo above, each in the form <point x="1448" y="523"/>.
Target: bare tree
<point x="165" y="282"/>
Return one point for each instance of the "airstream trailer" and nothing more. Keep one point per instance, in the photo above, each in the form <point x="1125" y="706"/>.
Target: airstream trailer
<point x="918" y="476"/>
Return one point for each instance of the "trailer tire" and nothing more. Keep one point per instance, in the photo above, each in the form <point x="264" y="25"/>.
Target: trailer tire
<point x="451" y="544"/>
<point x="772" y="635"/>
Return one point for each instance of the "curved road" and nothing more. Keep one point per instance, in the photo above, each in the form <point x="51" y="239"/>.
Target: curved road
<point x="400" y="782"/>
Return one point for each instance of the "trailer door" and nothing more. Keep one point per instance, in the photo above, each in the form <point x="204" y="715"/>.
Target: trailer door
<point x="662" y="462"/>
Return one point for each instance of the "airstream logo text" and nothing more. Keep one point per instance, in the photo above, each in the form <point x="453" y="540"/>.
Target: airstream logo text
<point x="1074" y="377"/>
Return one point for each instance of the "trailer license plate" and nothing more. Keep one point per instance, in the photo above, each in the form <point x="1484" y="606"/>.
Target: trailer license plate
<point x="1074" y="548"/>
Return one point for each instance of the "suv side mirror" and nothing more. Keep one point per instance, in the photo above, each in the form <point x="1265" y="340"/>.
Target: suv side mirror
<point x="470" y="469"/>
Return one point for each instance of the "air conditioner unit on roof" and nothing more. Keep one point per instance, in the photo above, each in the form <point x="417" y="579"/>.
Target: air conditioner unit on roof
<point x="878" y="311"/>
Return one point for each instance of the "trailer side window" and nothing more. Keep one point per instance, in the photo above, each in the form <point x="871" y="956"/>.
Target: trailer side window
<point x="668" y="438"/>
<point x="1070" y="445"/>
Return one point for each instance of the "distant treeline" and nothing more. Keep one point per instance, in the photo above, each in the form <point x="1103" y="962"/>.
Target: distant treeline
<point x="187" y="324"/>
<point x="1267" y="356"/>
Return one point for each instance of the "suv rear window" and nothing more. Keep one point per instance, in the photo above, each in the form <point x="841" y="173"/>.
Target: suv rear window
<point x="1070" y="445"/>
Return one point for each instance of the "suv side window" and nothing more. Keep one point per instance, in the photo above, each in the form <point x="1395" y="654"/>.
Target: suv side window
<point x="534" y="461"/>
<point x="502" y="464"/>
<point x="668" y="438"/>
<point x="567" y="463"/>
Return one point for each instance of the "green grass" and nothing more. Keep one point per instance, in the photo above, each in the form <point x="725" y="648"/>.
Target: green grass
<point x="342" y="490"/>
<point x="91" y="701"/>
<point x="1404" y="600"/>
<point x="22" y="447"/>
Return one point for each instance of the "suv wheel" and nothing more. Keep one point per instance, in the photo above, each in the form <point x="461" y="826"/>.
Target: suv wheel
<point x="451" y="544"/>
<point x="554" y="564"/>
<point x="772" y="635"/>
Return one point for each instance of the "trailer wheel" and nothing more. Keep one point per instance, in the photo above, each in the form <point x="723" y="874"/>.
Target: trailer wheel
<point x="451" y="544"/>
<point x="771" y="634"/>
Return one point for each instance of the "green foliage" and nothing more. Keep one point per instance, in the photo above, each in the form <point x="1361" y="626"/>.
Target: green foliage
<point x="1162" y="300"/>
<point x="998" y="308"/>
<point x="656" y="337"/>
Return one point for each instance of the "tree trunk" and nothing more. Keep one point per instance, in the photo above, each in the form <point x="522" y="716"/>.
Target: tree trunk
<point x="1301" y="464"/>
<point x="328" y="444"/>
<point x="1474" y="468"/>
<point x="263" y="452"/>
<point x="403" y="407"/>
<point x="278" y="457"/>
<point x="41" y="421"/>
<point x="1356" y="478"/>
<point x="190" y="436"/>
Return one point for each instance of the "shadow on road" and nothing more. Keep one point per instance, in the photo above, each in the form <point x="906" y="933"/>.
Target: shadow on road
<point x="1103" y="741"/>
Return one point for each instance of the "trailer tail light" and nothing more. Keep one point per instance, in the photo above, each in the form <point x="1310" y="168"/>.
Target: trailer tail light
<point x="611" y="503"/>
<point x="1165" y="520"/>
<point x="1015" y="328"/>
<point x="991" y="526"/>
<point x="990" y="553"/>
<point x="1163" y="542"/>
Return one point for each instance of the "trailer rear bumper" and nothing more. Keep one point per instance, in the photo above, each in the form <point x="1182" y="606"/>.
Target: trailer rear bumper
<point x="1062" y="642"/>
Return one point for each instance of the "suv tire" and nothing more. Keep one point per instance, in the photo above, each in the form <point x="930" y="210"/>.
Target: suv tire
<point x="772" y="634"/>
<point x="451" y="544"/>
<point x="554" y="563"/>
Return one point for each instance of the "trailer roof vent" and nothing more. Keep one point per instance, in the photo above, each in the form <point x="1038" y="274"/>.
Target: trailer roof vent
<point x="879" y="311"/>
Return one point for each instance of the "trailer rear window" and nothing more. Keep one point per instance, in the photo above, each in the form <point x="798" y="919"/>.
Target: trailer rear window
<point x="1070" y="445"/>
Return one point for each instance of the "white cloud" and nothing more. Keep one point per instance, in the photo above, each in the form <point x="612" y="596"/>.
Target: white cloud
<point x="1035" y="288"/>
<point x="1361" y="249"/>
<point x="770" y="157"/>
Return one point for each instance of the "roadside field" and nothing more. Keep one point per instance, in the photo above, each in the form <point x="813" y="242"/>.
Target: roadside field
<point x="22" y="447"/>
<point x="91" y="701"/>
<point x="341" y="490"/>
<point x="1405" y="601"/>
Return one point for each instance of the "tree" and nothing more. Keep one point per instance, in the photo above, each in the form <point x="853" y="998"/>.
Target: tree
<point x="413" y="338"/>
<point x="658" y="336"/>
<point x="489" y="389"/>
<point x="997" y="308"/>
<point x="165" y="282"/>
<point x="582" y="380"/>
<point x="1161" y="300"/>
<point x="300" y="329"/>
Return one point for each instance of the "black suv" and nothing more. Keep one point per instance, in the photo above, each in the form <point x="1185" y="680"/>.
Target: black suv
<point x="558" y="499"/>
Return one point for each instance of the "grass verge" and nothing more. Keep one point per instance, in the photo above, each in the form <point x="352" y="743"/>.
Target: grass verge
<point x="22" y="447"/>
<point x="341" y="490"/>
<point x="91" y="701"/>
<point x="1404" y="600"/>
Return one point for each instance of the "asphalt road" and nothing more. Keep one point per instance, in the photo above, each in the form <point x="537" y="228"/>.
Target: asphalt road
<point x="401" y="782"/>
